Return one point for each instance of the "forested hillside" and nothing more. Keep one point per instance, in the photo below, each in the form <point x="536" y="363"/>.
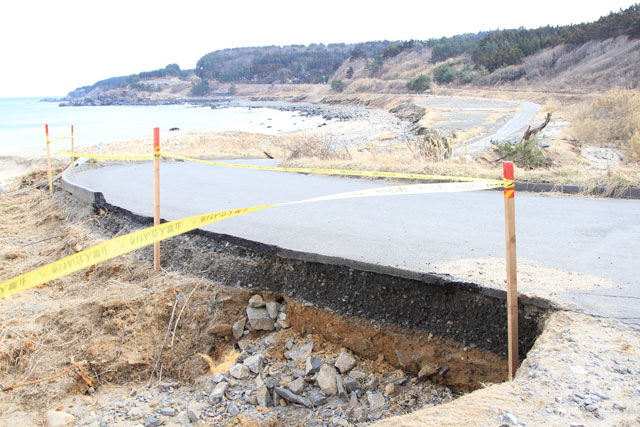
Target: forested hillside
<point x="288" y="64"/>
<point x="491" y="57"/>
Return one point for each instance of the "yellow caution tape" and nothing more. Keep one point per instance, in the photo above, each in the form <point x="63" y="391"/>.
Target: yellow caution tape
<point x="376" y="174"/>
<point x="107" y="156"/>
<point x="138" y="239"/>
<point x="113" y="248"/>
<point x="61" y="138"/>
<point x="345" y="172"/>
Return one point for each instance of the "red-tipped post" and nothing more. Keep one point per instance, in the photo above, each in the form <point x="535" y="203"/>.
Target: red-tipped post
<point x="156" y="210"/>
<point x="512" y="283"/>
<point x="46" y="130"/>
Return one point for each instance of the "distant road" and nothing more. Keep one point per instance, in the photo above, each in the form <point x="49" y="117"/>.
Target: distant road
<point x="519" y="121"/>
<point x="600" y="237"/>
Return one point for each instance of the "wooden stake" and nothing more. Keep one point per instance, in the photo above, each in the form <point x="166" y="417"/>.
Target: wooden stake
<point x="512" y="283"/>
<point x="73" y="159"/>
<point x="156" y="209"/>
<point x="46" y="129"/>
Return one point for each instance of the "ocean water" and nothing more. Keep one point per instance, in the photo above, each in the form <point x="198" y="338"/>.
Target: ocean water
<point x="22" y="122"/>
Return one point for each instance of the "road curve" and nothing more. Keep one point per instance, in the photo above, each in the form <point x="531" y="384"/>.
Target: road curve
<point x="600" y="237"/>
<point x="519" y="121"/>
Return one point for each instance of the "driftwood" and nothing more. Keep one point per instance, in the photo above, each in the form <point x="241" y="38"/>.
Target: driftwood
<point x="530" y="133"/>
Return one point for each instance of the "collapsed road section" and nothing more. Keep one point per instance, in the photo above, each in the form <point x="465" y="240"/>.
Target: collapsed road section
<point x="456" y="332"/>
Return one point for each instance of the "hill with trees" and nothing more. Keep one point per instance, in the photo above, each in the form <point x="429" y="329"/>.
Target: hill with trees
<point x="484" y="58"/>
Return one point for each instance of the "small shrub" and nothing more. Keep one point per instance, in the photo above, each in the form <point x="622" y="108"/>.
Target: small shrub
<point x="525" y="154"/>
<point x="444" y="73"/>
<point x="350" y="72"/>
<point x="432" y="146"/>
<point x="612" y="119"/>
<point x="419" y="84"/>
<point x="321" y="148"/>
<point x="338" y="85"/>
<point x="201" y="88"/>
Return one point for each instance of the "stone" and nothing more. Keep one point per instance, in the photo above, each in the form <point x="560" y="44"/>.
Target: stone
<point x="254" y="363"/>
<point x="232" y="409"/>
<point x="271" y="382"/>
<point x="58" y="418"/>
<point x="427" y="370"/>
<point x="345" y="362"/>
<point x="281" y="321"/>
<point x="167" y="412"/>
<point x="264" y="397"/>
<point x="340" y="387"/>
<point x="326" y="380"/>
<point x="317" y="398"/>
<point x="577" y="369"/>
<point x="272" y="309"/>
<point x="389" y="389"/>
<point x="256" y="301"/>
<point x="239" y="372"/>
<point x="510" y="418"/>
<point x="302" y="352"/>
<point x="238" y="328"/>
<point x="153" y="421"/>
<point x="292" y="397"/>
<point x="251" y="399"/>
<point x="312" y="365"/>
<point x="221" y="329"/>
<point x="259" y="319"/>
<point x="290" y="343"/>
<point x="591" y="408"/>
<point x="375" y="400"/>
<point x="351" y="385"/>
<point x="219" y="377"/>
<point x="192" y="414"/>
<point x="373" y="383"/>
<point x="218" y="392"/>
<point x="296" y="385"/>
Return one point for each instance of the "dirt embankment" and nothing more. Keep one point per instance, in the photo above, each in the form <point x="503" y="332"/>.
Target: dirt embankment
<point x="128" y="324"/>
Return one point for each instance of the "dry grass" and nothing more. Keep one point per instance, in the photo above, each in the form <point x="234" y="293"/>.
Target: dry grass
<point x="611" y="120"/>
<point x="230" y="144"/>
<point x="399" y="158"/>
<point x="110" y="317"/>
<point x="322" y="148"/>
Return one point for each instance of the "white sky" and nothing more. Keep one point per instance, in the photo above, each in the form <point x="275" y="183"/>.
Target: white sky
<point x="49" y="47"/>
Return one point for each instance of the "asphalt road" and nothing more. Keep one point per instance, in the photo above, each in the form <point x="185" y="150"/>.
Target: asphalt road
<point x="594" y="236"/>
<point x="518" y="122"/>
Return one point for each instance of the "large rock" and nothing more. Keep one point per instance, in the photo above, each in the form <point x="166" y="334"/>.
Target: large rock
<point x="238" y="328"/>
<point x="254" y="363"/>
<point x="317" y="398"/>
<point x="239" y="372"/>
<point x="345" y="362"/>
<point x="427" y="370"/>
<point x="259" y="319"/>
<point x="272" y="309"/>
<point x="256" y="301"/>
<point x="296" y="385"/>
<point x="218" y="392"/>
<point x="221" y="329"/>
<point x="292" y="397"/>
<point x="58" y="418"/>
<point x="264" y="397"/>
<point x="312" y="365"/>
<point x="301" y="353"/>
<point x="327" y="380"/>
<point x="376" y="400"/>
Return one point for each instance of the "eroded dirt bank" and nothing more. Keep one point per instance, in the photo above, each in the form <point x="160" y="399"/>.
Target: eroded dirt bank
<point x="127" y="325"/>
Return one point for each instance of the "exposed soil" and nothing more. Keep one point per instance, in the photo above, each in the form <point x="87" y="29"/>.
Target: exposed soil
<point x="113" y="317"/>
